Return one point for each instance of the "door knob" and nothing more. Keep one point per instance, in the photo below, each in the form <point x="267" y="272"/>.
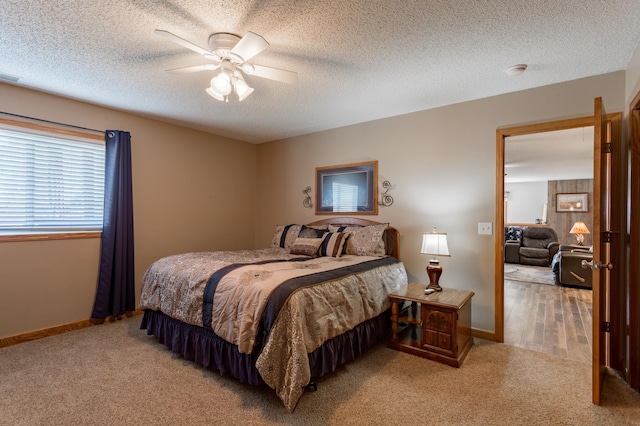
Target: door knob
<point x="596" y="265"/>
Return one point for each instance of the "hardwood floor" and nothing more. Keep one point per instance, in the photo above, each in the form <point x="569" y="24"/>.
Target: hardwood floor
<point x="548" y="318"/>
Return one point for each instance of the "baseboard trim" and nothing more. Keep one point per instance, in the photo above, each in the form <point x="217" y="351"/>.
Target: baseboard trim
<point x="59" y="329"/>
<point x="483" y="334"/>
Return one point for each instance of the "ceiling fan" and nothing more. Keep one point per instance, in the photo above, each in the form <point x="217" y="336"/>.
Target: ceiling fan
<point x="229" y="53"/>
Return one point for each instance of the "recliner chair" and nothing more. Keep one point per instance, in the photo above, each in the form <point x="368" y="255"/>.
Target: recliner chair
<point x="538" y="245"/>
<point x="567" y="266"/>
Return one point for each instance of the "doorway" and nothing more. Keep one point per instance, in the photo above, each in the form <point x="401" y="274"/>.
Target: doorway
<point x="538" y="314"/>
<point x="501" y="135"/>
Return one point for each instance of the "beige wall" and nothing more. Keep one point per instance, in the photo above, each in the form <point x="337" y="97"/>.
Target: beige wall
<point x="192" y="191"/>
<point x="442" y="164"/>
<point x="196" y="191"/>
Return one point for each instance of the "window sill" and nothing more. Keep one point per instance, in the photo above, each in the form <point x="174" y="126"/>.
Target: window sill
<point x="50" y="237"/>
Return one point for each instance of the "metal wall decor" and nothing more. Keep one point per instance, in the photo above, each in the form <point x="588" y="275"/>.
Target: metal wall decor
<point x="385" y="199"/>
<point x="307" y="202"/>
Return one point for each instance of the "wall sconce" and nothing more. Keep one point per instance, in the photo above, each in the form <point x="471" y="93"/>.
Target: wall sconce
<point x="385" y="199"/>
<point x="307" y="202"/>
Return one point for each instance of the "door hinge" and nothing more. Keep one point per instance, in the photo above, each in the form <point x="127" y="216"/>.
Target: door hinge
<point x="607" y="148"/>
<point x="606" y="326"/>
<point x="606" y="236"/>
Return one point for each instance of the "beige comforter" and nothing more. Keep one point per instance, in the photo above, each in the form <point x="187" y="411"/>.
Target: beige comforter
<point x="312" y="315"/>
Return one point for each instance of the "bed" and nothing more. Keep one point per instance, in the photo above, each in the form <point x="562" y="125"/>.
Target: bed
<point x="285" y="315"/>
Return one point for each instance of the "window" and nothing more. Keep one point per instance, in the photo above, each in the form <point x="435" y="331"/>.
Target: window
<point x="50" y="181"/>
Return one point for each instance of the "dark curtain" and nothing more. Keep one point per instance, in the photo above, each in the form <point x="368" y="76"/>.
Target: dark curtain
<point x="116" y="286"/>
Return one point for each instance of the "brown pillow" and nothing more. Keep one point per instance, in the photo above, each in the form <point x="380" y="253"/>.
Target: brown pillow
<point x="306" y="246"/>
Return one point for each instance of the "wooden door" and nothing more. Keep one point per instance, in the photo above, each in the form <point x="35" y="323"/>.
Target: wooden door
<point x="609" y="207"/>
<point x="601" y="249"/>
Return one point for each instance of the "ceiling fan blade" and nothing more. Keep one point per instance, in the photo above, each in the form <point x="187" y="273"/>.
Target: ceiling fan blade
<point x="182" y="42"/>
<point x="249" y="46"/>
<point x="276" y="74"/>
<point x="195" y="68"/>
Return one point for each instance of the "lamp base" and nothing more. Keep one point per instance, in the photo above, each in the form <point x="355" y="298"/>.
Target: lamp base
<point x="434" y="270"/>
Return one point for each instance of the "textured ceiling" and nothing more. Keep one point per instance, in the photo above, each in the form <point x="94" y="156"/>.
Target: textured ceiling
<point x="356" y="60"/>
<point x="557" y="155"/>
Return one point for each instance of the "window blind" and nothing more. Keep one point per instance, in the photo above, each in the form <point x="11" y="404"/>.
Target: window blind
<point x="49" y="182"/>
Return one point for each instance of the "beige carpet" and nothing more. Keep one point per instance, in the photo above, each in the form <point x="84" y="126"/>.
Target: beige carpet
<point x="114" y="374"/>
<point x="529" y="274"/>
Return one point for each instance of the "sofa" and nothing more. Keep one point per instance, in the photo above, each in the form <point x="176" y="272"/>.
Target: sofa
<point x="530" y="245"/>
<point x="512" y="238"/>
<point x="567" y="266"/>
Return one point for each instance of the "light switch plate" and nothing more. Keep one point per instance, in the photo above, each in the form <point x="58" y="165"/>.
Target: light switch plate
<point x="485" y="228"/>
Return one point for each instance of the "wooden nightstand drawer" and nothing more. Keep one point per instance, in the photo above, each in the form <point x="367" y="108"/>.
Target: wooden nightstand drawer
<point x="440" y="342"/>
<point x="445" y="342"/>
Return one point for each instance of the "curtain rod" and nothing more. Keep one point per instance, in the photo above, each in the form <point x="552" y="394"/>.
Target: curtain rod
<point x="53" y="122"/>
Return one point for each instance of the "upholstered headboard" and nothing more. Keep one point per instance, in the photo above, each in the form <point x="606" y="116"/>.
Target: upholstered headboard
<point x="391" y="235"/>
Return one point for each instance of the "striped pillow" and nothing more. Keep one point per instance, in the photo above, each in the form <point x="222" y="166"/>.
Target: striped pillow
<point x="285" y="235"/>
<point x="306" y="246"/>
<point x="333" y="244"/>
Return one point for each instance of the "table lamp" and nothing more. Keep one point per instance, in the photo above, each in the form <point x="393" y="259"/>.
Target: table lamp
<point x="579" y="229"/>
<point x="435" y="244"/>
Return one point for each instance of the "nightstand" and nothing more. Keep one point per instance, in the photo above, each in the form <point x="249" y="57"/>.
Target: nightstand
<point x="435" y="326"/>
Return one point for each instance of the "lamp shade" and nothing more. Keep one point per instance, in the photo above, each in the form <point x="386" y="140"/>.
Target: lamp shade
<point x="579" y="228"/>
<point x="434" y="243"/>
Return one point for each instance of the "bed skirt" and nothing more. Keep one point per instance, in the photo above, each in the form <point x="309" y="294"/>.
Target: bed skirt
<point x="203" y="347"/>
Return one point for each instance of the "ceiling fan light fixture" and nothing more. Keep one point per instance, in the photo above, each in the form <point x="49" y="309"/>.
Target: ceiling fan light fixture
<point x="221" y="83"/>
<point x="214" y="94"/>
<point x="229" y="52"/>
<point x="515" y="70"/>
<point x="242" y="89"/>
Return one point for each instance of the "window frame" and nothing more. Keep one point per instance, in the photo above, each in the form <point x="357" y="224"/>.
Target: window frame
<point x="51" y="235"/>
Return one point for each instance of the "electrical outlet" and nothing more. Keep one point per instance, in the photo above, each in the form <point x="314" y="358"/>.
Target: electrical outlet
<point x="485" y="228"/>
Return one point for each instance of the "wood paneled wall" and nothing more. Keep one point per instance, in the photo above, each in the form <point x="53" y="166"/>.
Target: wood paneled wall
<point x="562" y="222"/>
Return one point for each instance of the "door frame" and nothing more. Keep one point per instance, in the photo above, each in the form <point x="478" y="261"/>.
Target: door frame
<point x="501" y="135"/>
<point x="611" y="291"/>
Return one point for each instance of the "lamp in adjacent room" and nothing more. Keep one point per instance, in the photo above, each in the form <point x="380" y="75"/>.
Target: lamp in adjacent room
<point x="579" y="229"/>
<point x="435" y="244"/>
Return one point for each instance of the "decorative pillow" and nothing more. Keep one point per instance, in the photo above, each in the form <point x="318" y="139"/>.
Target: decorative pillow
<point x="285" y="235"/>
<point x="306" y="246"/>
<point x="313" y="231"/>
<point x="364" y="240"/>
<point x="514" y="233"/>
<point x="333" y="244"/>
